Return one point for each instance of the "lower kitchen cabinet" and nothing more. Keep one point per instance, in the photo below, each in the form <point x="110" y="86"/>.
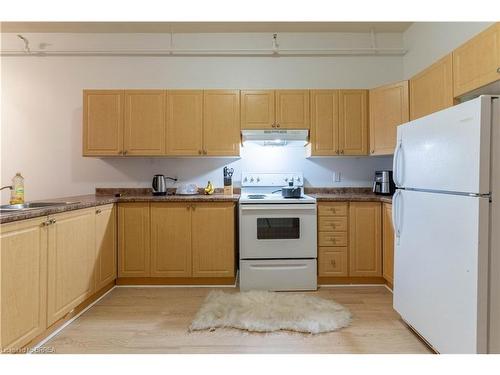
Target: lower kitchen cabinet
<point x="387" y="243"/>
<point x="134" y="239"/>
<point x="23" y="282"/>
<point x="105" y="239"/>
<point x="213" y="239"/>
<point x="176" y="240"/>
<point x="71" y="261"/>
<point x="333" y="261"/>
<point x="365" y="241"/>
<point x="171" y="239"/>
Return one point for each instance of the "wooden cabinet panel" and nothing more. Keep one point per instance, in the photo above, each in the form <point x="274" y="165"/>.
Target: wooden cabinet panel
<point x="144" y="129"/>
<point x="387" y="243"/>
<point x="213" y="239"/>
<point x="23" y="282"/>
<point x="324" y="122"/>
<point x="333" y="209"/>
<point x="477" y="62"/>
<point x="71" y="259"/>
<point x="106" y="247"/>
<point x="292" y="109"/>
<point x="221" y="122"/>
<point x="365" y="241"/>
<point x="133" y="240"/>
<point x="102" y="122"/>
<point x="257" y="109"/>
<point x="332" y="238"/>
<point x="353" y="122"/>
<point x="389" y="107"/>
<point x="326" y="223"/>
<point x="432" y="89"/>
<point x="184" y="122"/>
<point x="171" y="239"/>
<point x="332" y="261"/>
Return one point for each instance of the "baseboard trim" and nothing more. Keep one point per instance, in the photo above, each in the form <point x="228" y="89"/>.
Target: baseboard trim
<point x="351" y="281"/>
<point x="177" y="282"/>
<point x="58" y="326"/>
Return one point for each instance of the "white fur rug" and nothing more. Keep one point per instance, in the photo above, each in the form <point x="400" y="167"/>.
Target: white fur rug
<point x="261" y="311"/>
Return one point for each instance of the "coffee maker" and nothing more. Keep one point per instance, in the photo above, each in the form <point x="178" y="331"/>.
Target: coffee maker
<point x="383" y="183"/>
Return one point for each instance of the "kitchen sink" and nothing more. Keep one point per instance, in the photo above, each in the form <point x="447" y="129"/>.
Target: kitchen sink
<point x="31" y="206"/>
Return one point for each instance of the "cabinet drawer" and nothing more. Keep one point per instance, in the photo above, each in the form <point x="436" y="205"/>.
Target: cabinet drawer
<point x="332" y="209"/>
<point x="332" y="261"/>
<point x="328" y="224"/>
<point x="332" y="238"/>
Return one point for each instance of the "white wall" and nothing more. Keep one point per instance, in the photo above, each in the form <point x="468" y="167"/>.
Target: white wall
<point x="41" y="115"/>
<point x="427" y="42"/>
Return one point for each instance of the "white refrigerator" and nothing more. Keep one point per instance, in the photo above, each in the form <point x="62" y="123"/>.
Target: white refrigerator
<point x="446" y="219"/>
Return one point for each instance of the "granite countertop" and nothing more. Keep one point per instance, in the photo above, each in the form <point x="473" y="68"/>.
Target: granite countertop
<point x="107" y="196"/>
<point x="93" y="200"/>
<point x="346" y="194"/>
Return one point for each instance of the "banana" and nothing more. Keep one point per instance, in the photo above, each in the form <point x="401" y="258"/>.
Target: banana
<point x="209" y="189"/>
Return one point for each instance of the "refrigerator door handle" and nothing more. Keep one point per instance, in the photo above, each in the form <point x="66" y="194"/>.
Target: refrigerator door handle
<point x="395" y="215"/>
<point x="395" y="166"/>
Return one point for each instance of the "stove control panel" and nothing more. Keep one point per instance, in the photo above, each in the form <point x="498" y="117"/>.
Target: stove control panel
<point x="272" y="179"/>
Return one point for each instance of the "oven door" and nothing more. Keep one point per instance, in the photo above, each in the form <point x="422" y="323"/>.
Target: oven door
<point x="277" y="231"/>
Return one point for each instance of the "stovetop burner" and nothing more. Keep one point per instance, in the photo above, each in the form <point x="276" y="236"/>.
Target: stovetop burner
<point x="256" y="196"/>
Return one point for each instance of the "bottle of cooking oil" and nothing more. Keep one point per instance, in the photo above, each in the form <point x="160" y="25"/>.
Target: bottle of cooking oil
<point x="17" y="193"/>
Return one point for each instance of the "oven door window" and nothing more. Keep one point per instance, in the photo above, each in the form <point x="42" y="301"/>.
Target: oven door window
<point x="281" y="228"/>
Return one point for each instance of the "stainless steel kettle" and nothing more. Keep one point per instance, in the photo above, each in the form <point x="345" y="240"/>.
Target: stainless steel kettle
<point x="159" y="184"/>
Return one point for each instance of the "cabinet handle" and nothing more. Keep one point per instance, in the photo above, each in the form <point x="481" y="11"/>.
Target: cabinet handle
<point x="278" y="125"/>
<point x="45" y="223"/>
<point x="498" y="70"/>
<point x="337" y="152"/>
<point x="125" y="152"/>
<point x="332" y="262"/>
<point x="273" y="124"/>
<point x="53" y="221"/>
<point x="199" y="152"/>
<point x="342" y="152"/>
<point x="372" y="151"/>
<point x="204" y="152"/>
<point x="98" y="211"/>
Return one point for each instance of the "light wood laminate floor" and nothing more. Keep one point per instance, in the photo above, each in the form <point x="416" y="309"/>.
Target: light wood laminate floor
<point x="156" y="320"/>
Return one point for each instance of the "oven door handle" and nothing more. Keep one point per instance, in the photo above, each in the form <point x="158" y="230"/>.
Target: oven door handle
<point x="281" y="207"/>
<point x="279" y="266"/>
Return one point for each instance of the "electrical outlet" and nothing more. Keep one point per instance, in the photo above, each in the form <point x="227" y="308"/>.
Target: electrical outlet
<point x="336" y="176"/>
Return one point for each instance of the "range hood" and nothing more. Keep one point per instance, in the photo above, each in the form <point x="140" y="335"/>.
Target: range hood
<point x="272" y="137"/>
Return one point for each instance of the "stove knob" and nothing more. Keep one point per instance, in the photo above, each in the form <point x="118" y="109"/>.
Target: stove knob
<point x="286" y="179"/>
<point x="258" y="179"/>
<point x="298" y="179"/>
<point x="245" y="179"/>
<point x="251" y="179"/>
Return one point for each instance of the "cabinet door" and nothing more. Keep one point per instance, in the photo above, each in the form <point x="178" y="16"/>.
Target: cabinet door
<point x="477" y="62"/>
<point x="105" y="226"/>
<point x="257" y="109"/>
<point x="388" y="108"/>
<point x="213" y="239"/>
<point x="292" y="109"/>
<point x="365" y="241"/>
<point x="432" y="89"/>
<point x="170" y="239"/>
<point x="23" y="282"/>
<point x="353" y="122"/>
<point x="324" y="122"/>
<point x="102" y="122"/>
<point x="387" y="243"/>
<point x="184" y="122"/>
<point x="133" y="240"/>
<point x="71" y="261"/>
<point x="221" y="122"/>
<point x="144" y="122"/>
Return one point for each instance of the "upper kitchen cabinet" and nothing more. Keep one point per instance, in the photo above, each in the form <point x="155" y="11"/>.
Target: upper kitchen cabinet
<point x="432" y="89"/>
<point x="144" y="130"/>
<point x="353" y="122"/>
<point x="184" y="122"/>
<point x="388" y="108"/>
<point x="324" y="136"/>
<point x="221" y="122"/>
<point x="292" y="109"/>
<point x="477" y="62"/>
<point x="257" y="109"/>
<point x="103" y="122"/>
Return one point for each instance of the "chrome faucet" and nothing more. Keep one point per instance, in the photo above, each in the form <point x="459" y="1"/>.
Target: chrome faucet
<point x="6" y="187"/>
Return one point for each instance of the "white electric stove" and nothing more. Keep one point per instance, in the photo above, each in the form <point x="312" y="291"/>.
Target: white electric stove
<point x="278" y="236"/>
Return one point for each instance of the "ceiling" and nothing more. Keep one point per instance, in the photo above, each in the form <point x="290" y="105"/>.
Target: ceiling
<point x="200" y="27"/>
